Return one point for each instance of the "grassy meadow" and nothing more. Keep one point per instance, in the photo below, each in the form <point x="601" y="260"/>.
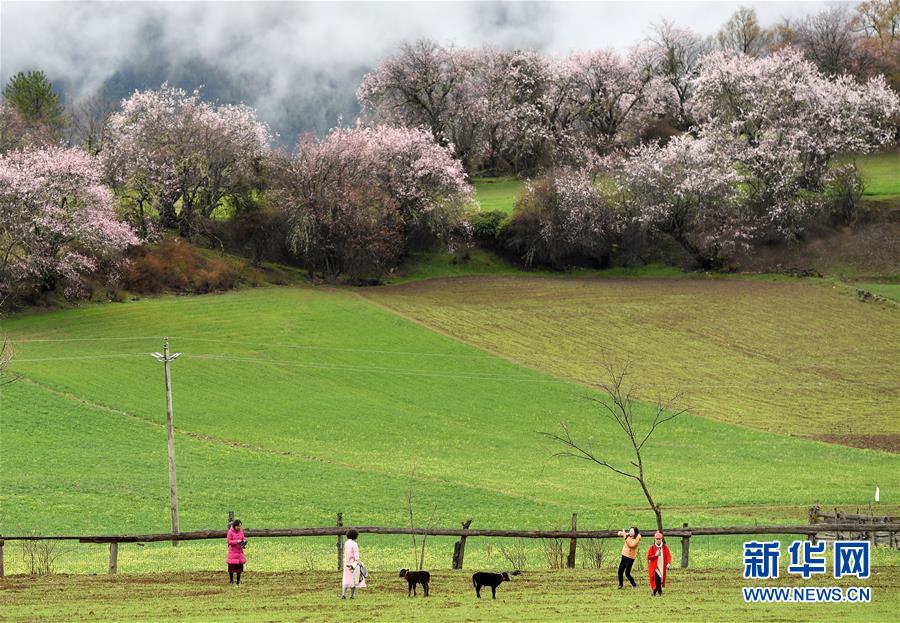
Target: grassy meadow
<point x="887" y="290"/>
<point x="498" y="193"/>
<point x="292" y="404"/>
<point x="799" y="358"/>
<point x="578" y="595"/>
<point x="881" y="173"/>
<point x="295" y="403"/>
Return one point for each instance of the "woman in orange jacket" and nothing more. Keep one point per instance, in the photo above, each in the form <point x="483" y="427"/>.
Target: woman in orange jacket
<point x="658" y="560"/>
<point x="629" y="553"/>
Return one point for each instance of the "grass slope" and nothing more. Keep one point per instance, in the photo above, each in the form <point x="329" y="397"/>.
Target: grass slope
<point x="784" y="356"/>
<point x="292" y="404"/>
<point x="498" y="193"/>
<point x="887" y="290"/>
<point x="580" y="595"/>
<point x="880" y="173"/>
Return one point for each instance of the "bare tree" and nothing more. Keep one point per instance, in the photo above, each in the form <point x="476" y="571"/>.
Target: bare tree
<point x="830" y="40"/>
<point x="675" y="53"/>
<point x="880" y="19"/>
<point x="418" y="554"/>
<point x="879" y="22"/>
<point x="88" y="116"/>
<point x="621" y="409"/>
<point x="742" y="33"/>
<point x="6" y="356"/>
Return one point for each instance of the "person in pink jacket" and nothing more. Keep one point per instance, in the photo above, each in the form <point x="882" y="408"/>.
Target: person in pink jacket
<point x="236" y="545"/>
<point x="352" y="578"/>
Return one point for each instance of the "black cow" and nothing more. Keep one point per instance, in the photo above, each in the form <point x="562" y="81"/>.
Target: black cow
<point x="416" y="577"/>
<point x="493" y="580"/>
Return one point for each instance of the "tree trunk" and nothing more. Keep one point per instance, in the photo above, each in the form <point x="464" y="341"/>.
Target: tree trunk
<point x="656" y="509"/>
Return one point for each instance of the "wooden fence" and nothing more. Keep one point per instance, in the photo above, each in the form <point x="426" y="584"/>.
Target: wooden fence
<point x="866" y="531"/>
<point x="685" y="533"/>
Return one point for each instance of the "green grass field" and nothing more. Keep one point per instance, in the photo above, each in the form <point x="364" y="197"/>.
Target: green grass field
<point x="498" y="193"/>
<point x="580" y="595"/>
<point x="887" y="290"/>
<point x="881" y="173"/>
<point x="782" y="355"/>
<point x="295" y="403"/>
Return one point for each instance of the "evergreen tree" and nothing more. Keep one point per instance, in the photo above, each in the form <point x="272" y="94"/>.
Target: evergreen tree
<point x="32" y="95"/>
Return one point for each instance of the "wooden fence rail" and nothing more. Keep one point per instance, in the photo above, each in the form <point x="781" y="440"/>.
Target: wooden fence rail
<point x="685" y="532"/>
<point x="524" y="534"/>
<point x="864" y="521"/>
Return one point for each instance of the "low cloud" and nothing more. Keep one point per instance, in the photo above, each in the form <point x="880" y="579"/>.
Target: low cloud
<point x="300" y="63"/>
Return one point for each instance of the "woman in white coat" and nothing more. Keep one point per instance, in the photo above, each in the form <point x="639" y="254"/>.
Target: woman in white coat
<point x="354" y="571"/>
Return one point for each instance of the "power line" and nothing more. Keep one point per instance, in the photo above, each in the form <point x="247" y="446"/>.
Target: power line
<point x="86" y="339"/>
<point x="337" y="348"/>
<point x="79" y="357"/>
<point x="488" y="376"/>
<point x="376" y="369"/>
<point x="268" y="344"/>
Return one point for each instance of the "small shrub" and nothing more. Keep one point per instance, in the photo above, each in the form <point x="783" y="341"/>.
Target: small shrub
<point x="593" y="553"/>
<point x="516" y="553"/>
<point x="556" y="552"/>
<point x="173" y="265"/>
<point x="40" y="556"/>
<point x="843" y="190"/>
<point x="486" y="226"/>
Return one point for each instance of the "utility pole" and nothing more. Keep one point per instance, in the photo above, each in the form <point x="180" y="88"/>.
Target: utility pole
<point x="166" y="359"/>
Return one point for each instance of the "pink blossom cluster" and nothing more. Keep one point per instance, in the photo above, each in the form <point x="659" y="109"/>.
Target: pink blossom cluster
<point x="57" y="219"/>
<point x="517" y="109"/>
<point x="782" y="103"/>
<point x="779" y="121"/>
<point x="358" y="184"/>
<point x="178" y="156"/>
<point x="689" y="190"/>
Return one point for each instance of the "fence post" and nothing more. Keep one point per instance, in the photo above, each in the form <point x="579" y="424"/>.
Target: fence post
<point x="340" y="542"/>
<point x="459" y="549"/>
<point x="113" y="558"/>
<point x="814" y="513"/>
<point x="1" y="556"/>
<point x="685" y="548"/>
<point x="570" y="561"/>
<point x="230" y="518"/>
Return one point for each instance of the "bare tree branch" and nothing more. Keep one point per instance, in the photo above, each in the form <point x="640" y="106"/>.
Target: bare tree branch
<point x="620" y="407"/>
<point x="7" y="352"/>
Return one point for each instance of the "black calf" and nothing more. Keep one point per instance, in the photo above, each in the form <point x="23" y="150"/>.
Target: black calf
<point x="416" y="577"/>
<point x="488" y="579"/>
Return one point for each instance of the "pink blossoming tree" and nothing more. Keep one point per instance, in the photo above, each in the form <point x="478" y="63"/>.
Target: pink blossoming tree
<point x="57" y="222"/>
<point x="357" y="199"/>
<point x="690" y="191"/>
<point x="781" y="123"/>
<point x="175" y="158"/>
<point x="564" y="217"/>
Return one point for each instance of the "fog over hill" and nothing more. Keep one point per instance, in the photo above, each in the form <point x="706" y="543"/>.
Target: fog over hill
<point x="299" y="64"/>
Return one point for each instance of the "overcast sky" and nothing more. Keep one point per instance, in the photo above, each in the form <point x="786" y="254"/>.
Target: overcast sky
<point x="291" y="50"/>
